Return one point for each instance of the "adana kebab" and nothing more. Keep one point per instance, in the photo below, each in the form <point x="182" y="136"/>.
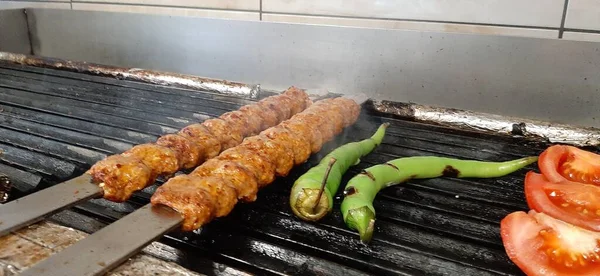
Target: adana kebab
<point x="123" y="174"/>
<point x="210" y="191"/>
<point x="118" y="176"/>
<point x="213" y="188"/>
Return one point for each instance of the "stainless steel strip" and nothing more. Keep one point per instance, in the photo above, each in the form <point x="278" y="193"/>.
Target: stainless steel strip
<point x="553" y="132"/>
<point x="137" y="74"/>
<point x="33" y="208"/>
<point x="112" y="245"/>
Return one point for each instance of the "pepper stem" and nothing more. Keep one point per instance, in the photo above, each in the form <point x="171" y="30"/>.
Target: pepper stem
<point x="363" y="220"/>
<point x="324" y="182"/>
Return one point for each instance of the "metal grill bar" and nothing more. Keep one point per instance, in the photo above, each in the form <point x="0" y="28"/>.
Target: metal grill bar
<point x="100" y="92"/>
<point x="64" y="136"/>
<point x="82" y="125"/>
<point x="426" y="227"/>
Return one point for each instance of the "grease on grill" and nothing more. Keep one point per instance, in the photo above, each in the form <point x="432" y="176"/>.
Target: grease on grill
<point x="450" y="171"/>
<point x="519" y="129"/>
<point x="5" y="187"/>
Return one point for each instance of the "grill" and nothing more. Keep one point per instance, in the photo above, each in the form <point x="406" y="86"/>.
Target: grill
<point x="55" y="124"/>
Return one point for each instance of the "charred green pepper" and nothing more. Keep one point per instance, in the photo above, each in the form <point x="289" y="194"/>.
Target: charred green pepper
<point x="311" y="197"/>
<point x="357" y="206"/>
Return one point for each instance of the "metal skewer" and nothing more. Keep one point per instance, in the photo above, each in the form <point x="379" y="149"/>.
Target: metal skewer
<point x="34" y="207"/>
<point x="111" y="245"/>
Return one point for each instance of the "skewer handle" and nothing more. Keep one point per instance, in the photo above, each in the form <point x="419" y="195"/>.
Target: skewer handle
<point x="110" y="246"/>
<point x="33" y="208"/>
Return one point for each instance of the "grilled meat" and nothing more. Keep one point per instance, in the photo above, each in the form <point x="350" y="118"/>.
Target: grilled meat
<point x="258" y="157"/>
<point x="295" y="107"/>
<point x="319" y="122"/>
<point x="311" y="133"/>
<point x="187" y="196"/>
<point x="229" y="135"/>
<point x="280" y="156"/>
<point x="354" y="110"/>
<point x="248" y="125"/>
<point x="188" y="152"/>
<point x="336" y="112"/>
<point x="242" y="179"/>
<point x="208" y="144"/>
<point x="268" y="119"/>
<point x="294" y="142"/>
<point x="122" y="175"/>
<point x="271" y="109"/>
<point x="255" y="161"/>
<point x="296" y="93"/>
<point x="161" y="160"/>
<point x="283" y="110"/>
<point x="217" y="188"/>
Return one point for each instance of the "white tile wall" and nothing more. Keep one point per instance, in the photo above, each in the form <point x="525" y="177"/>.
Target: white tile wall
<point x="411" y="25"/>
<point x="581" y="36"/>
<point x="530" y="18"/>
<point x="219" y="4"/>
<point x="223" y="14"/>
<point x="512" y="12"/>
<point x="583" y="14"/>
<point x="31" y="4"/>
<point x="37" y="1"/>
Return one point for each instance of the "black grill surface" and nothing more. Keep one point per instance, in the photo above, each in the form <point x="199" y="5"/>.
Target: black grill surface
<point x="54" y="125"/>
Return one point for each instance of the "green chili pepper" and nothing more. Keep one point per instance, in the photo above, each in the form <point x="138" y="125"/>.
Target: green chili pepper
<point x="311" y="197"/>
<point x="357" y="207"/>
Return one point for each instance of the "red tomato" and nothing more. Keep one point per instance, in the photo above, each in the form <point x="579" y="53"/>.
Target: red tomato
<point x="572" y="202"/>
<point x="560" y="163"/>
<point x="541" y="245"/>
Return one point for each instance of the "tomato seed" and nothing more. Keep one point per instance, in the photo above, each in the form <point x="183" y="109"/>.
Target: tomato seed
<point x="573" y="257"/>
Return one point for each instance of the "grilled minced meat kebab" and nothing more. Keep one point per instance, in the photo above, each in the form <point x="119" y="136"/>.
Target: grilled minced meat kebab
<point x="214" y="188"/>
<point x="123" y="174"/>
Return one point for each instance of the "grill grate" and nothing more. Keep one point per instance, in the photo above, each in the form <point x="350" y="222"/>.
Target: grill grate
<point x="55" y="124"/>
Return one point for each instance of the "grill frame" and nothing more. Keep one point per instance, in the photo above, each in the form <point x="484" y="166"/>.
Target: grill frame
<point x="418" y="226"/>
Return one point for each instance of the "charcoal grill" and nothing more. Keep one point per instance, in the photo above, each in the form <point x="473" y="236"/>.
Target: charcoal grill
<point x="54" y="124"/>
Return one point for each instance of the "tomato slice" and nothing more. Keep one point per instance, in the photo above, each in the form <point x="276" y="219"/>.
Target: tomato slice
<point x="572" y="202"/>
<point x="560" y="162"/>
<point x="541" y="245"/>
